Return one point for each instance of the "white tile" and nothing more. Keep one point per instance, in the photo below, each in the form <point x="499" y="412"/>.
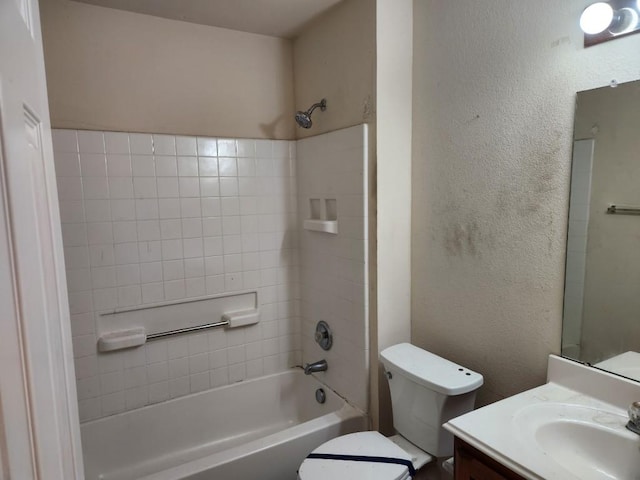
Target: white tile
<point x="199" y="363"/>
<point x="104" y="299"/>
<point x="158" y="372"/>
<point x="227" y="167"/>
<point x="148" y="230"/>
<point x="179" y="387"/>
<point x="173" y="270"/>
<point x="99" y="233"/>
<point x="237" y="373"/>
<point x="174" y="290"/>
<point x="166" y="167"/>
<point x="199" y="382"/>
<point x="171" y="249"/>
<point x="246" y="167"/>
<point x="207" y="147"/>
<point x="95" y="188"/>
<point x="195" y="287"/>
<point x="187" y="166"/>
<point x="192" y="247"/>
<point x="122" y="210"/>
<point x="212" y="226"/>
<point x="89" y="409"/>
<point x="101" y="255"/>
<point x="227" y="147"/>
<point x="178" y="348"/>
<point x="136" y="397"/>
<point x="71" y="211"/>
<point x="232" y="244"/>
<point x="80" y="302"/>
<point x="69" y="188"/>
<point x="140" y="144"/>
<point x="157" y="352"/>
<point x="164" y="145"/>
<point x="232" y="263"/>
<point x="147" y="209"/>
<point x="158" y="392"/>
<point x="169" y="208"/>
<point x="190" y="207"/>
<point x="214" y="265"/>
<point x="126" y="253"/>
<point x="210" y="186"/>
<point x="116" y="142"/>
<point x="127" y="275"/>
<point x="179" y="366"/>
<point x="86" y="366"/>
<point x="90" y="141"/>
<point x="143" y="165"/>
<point x="246" y="148"/>
<point x="118" y="165"/>
<point x="191" y="227"/>
<point x="88" y="388"/>
<point x="219" y="377"/>
<point x="229" y="187"/>
<point x="103" y="277"/>
<point x="264" y="167"/>
<point x="129" y="296"/>
<point x="150" y="251"/>
<point x="255" y="368"/>
<point x="213" y="246"/>
<point x="67" y="164"/>
<point x="120" y="188"/>
<point x="145" y="187"/>
<point x="74" y="234"/>
<point x="84" y="345"/>
<point x="186" y="146"/>
<point x="263" y="148"/>
<point x="97" y="210"/>
<point x="189" y="186"/>
<point x="194" y="267"/>
<point x="231" y="225"/>
<point x="230" y="206"/>
<point x="64" y="140"/>
<point x="208" y="166"/>
<point x="124" y="232"/>
<point x="233" y="282"/>
<point x="111" y="382"/>
<point x="168" y="187"/>
<point x="152" y="292"/>
<point x="236" y="354"/>
<point x="171" y="229"/>
<point x="248" y="205"/>
<point x="214" y="284"/>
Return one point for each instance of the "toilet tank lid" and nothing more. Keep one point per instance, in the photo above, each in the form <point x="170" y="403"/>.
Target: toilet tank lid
<point x="430" y="370"/>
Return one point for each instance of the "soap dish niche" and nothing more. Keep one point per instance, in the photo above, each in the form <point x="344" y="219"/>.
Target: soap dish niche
<point x="323" y="215"/>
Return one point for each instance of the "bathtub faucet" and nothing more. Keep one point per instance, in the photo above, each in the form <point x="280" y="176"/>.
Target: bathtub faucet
<point x="319" y="366"/>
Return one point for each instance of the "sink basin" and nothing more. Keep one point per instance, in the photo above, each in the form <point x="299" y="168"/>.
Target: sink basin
<point x="589" y="443"/>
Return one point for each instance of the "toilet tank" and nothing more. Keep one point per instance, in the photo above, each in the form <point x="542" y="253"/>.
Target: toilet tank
<point x="426" y="392"/>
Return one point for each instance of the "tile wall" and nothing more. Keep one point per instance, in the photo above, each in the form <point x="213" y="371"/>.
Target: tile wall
<point x="148" y="219"/>
<point x="334" y="268"/>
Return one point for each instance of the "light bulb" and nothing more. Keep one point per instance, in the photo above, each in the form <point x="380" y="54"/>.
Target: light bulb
<point x="596" y="18"/>
<point x="626" y="21"/>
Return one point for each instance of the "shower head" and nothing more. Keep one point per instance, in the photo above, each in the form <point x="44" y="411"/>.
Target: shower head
<point x="304" y="118"/>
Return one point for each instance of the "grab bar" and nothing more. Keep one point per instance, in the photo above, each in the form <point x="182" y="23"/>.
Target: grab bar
<point x="155" y="336"/>
<point x="623" y="210"/>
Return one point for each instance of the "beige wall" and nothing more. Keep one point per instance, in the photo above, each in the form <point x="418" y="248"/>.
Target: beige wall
<point x="611" y="302"/>
<point x="334" y="58"/>
<point x="494" y="90"/>
<point x="114" y="70"/>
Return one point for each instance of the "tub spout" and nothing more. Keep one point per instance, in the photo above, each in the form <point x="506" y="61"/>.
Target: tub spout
<point x="319" y="366"/>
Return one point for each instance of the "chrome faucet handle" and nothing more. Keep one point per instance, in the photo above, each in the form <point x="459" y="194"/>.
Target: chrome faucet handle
<point x="634" y="418"/>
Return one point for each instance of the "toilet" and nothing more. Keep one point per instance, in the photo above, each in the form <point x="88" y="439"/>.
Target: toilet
<point x="426" y="392"/>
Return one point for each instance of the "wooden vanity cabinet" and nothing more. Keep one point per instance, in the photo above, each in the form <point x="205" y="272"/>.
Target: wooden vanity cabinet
<point x="471" y="464"/>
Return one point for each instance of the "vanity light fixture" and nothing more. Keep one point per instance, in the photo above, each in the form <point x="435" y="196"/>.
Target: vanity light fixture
<point x="603" y="21"/>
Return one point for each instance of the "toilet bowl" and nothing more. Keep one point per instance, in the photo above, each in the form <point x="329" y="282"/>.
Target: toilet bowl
<point x="426" y="392"/>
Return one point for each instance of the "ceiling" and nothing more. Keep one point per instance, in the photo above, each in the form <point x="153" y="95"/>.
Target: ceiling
<point x="278" y="18"/>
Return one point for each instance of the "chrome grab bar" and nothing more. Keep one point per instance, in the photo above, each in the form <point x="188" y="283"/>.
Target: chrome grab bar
<point x="155" y="336"/>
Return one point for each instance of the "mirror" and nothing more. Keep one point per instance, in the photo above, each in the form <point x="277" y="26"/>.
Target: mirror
<point x="601" y="322"/>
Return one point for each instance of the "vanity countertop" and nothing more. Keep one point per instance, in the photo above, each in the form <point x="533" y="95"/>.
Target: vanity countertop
<point x="547" y="433"/>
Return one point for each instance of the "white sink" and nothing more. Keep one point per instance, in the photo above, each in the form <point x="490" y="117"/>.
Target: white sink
<point x="589" y="443"/>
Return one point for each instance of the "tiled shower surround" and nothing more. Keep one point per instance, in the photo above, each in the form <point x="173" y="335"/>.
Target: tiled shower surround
<point x="153" y="219"/>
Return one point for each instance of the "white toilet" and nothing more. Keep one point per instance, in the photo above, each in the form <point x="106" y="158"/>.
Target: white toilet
<point x="426" y="392"/>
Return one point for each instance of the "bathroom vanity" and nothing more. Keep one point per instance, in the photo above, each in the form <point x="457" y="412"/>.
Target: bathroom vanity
<point x="571" y="428"/>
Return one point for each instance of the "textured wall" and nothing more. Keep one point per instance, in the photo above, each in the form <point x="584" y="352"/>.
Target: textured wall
<point x="334" y="58"/>
<point x="494" y="91"/>
<point x="113" y="70"/>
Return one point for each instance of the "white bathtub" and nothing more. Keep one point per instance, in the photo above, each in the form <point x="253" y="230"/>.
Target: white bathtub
<point x="257" y="429"/>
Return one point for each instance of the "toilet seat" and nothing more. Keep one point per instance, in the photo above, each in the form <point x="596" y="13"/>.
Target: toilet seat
<point x="371" y="444"/>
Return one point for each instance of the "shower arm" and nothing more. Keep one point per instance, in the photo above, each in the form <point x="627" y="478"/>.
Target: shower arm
<point x="322" y="104"/>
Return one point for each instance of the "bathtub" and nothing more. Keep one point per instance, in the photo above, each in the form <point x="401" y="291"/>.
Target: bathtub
<point x="256" y="429"/>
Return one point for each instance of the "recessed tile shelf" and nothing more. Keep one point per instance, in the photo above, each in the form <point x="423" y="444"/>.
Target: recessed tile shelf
<point x="327" y="226"/>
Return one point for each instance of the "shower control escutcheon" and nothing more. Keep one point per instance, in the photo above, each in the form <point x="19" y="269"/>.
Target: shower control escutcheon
<point x="323" y="335"/>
